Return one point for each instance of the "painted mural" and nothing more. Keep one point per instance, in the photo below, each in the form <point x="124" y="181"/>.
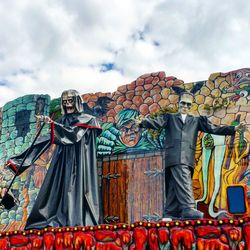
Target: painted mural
<point x="220" y="160"/>
<point x="19" y="127"/>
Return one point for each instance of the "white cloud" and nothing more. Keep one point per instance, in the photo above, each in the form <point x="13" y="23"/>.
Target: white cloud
<point x="7" y="94"/>
<point x="48" y="46"/>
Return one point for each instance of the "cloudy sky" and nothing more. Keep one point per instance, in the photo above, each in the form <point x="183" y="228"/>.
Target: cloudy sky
<point x="47" y="46"/>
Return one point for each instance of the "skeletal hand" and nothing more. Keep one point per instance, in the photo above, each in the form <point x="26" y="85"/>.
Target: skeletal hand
<point x="44" y="118"/>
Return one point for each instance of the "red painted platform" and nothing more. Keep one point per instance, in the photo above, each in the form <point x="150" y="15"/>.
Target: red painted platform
<point x="196" y="234"/>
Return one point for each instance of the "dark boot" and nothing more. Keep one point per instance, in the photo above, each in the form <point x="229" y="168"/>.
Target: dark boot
<point x="170" y="216"/>
<point x="191" y="214"/>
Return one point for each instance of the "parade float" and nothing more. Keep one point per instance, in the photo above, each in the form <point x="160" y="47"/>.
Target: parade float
<point x="130" y="164"/>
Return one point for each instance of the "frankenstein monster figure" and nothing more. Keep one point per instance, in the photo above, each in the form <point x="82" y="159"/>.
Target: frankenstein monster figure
<point x="181" y="136"/>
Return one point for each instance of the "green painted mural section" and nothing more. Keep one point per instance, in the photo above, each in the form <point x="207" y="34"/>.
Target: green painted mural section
<point x="19" y="127"/>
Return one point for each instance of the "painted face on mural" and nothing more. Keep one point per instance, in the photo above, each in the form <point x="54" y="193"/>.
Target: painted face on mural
<point x="68" y="102"/>
<point x="185" y="103"/>
<point x="130" y="134"/>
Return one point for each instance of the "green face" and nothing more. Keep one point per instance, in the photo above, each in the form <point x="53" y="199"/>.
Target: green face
<point x="185" y="103"/>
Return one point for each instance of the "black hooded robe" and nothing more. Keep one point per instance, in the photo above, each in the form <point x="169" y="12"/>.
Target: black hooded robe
<point x="69" y="195"/>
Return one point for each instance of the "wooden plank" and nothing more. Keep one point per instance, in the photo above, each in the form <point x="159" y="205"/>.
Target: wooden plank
<point x="122" y="190"/>
<point x="149" y="190"/>
<point x="105" y="189"/>
<point x="113" y="199"/>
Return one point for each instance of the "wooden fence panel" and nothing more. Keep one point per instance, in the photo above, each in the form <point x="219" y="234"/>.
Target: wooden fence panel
<point x="133" y="187"/>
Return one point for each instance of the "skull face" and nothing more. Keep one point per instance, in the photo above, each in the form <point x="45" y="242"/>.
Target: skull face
<point x="68" y="102"/>
<point x="71" y="102"/>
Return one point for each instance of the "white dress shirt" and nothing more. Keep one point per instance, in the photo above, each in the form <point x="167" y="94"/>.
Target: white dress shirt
<point x="183" y="116"/>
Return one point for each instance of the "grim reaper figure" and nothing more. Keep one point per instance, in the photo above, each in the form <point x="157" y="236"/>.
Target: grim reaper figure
<point x="69" y="195"/>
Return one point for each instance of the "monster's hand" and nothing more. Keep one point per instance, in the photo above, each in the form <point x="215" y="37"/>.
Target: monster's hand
<point x="155" y="137"/>
<point x="241" y="127"/>
<point x="138" y="120"/>
<point x="106" y="141"/>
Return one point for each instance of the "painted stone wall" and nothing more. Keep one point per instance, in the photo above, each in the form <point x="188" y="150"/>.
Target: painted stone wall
<point x="18" y="129"/>
<point x="220" y="160"/>
<point x="19" y="123"/>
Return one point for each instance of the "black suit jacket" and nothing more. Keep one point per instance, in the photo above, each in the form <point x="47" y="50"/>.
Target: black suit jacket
<point x="180" y="139"/>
